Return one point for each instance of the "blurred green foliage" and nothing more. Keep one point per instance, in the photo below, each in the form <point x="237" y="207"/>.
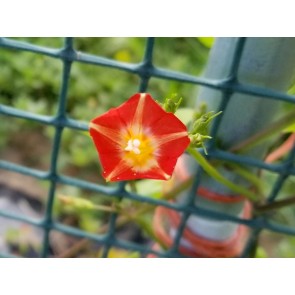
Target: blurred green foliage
<point x="32" y="82"/>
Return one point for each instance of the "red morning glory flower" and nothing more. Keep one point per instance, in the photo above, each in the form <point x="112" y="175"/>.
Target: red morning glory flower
<point x="138" y="139"/>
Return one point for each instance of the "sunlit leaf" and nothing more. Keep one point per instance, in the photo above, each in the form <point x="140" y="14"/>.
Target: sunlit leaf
<point x="185" y="115"/>
<point x="120" y="253"/>
<point x="290" y="128"/>
<point x="148" y="187"/>
<point x="207" y="41"/>
<point x="123" y="55"/>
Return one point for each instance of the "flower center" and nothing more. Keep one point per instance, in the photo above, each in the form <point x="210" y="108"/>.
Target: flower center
<point x="139" y="151"/>
<point x="133" y="146"/>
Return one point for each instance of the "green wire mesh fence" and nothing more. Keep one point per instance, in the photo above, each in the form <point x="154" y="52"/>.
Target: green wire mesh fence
<point x="145" y="70"/>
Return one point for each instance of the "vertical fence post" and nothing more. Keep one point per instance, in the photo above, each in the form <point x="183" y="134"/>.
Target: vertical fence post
<point x="60" y="116"/>
<point x="263" y="62"/>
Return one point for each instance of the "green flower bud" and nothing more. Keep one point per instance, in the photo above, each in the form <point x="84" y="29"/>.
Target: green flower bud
<point x="200" y="128"/>
<point x="172" y="104"/>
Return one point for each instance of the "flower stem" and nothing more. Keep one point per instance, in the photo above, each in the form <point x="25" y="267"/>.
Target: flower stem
<point x="247" y="175"/>
<point x="275" y="205"/>
<point x="218" y="177"/>
<point x="262" y="135"/>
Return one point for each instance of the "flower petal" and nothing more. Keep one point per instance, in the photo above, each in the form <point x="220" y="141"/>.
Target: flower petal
<point x="115" y="174"/>
<point x="141" y="109"/>
<point x="168" y="123"/>
<point x="106" y="132"/>
<point x="168" y="163"/>
<point x="109" y="133"/>
<point x="154" y="173"/>
<point x="127" y="110"/>
<point x="110" y="120"/>
<point x="173" y="148"/>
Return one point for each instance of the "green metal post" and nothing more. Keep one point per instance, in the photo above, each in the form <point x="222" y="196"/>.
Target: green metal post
<point x="264" y="62"/>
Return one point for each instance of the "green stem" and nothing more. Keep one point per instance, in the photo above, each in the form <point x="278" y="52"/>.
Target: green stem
<point x="218" y="177"/>
<point x="247" y="175"/>
<point x="142" y="209"/>
<point x="262" y="135"/>
<point x="275" y="205"/>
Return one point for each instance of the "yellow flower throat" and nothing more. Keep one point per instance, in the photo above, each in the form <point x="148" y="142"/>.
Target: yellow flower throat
<point x="139" y="151"/>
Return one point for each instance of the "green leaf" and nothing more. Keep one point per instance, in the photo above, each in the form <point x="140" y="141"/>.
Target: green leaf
<point x="290" y="128"/>
<point x="261" y="253"/>
<point x="207" y="41"/>
<point x="120" y="253"/>
<point x="148" y="187"/>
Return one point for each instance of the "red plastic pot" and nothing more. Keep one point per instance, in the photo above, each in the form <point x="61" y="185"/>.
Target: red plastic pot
<point x="198" y="238"/>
